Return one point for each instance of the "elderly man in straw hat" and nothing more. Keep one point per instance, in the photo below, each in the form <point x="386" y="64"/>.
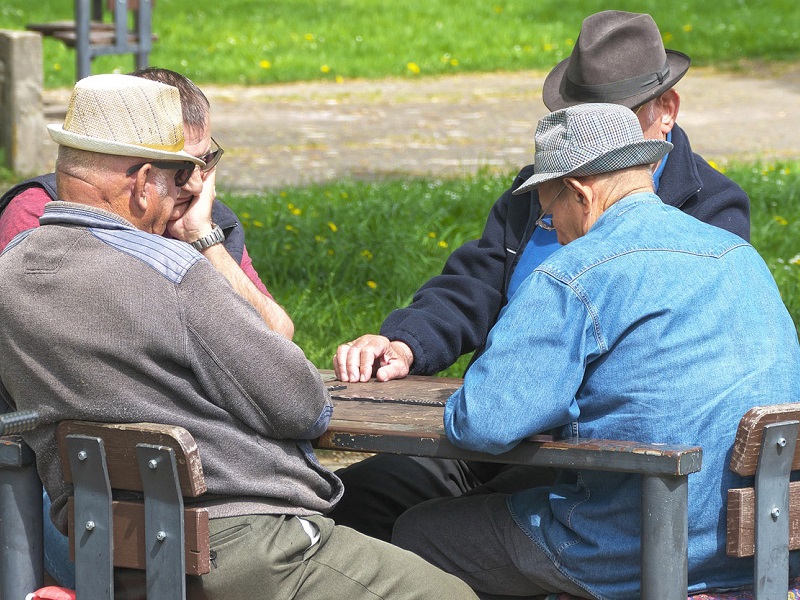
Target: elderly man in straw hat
<point x="647" y="325"/>
<point x="195" y="211"/>
<point x="619" y="58"/>
<point x="130" y="326"/>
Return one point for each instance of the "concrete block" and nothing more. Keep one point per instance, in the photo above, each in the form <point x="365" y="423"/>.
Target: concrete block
<point x="21" y="116"/>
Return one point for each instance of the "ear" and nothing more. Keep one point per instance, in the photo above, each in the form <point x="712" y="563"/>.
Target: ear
<point x="138" y="199"/>
<point x="584" y="193"/>
<point x="668" y="104"/>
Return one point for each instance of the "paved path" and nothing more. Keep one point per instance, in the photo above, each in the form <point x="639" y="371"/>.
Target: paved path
<point x="312" y="132"/>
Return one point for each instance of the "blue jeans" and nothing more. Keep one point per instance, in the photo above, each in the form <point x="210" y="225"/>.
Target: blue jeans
<point x="56" y="550"/>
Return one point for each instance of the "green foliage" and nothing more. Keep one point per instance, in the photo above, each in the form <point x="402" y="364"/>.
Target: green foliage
<point x="774" y="191"/>
<point x="252" y="41"/>
<point x="340" y="257"/>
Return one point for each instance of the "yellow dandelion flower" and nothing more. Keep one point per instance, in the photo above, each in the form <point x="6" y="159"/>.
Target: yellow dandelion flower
<point x="309" y="37"/>
<point x="56" y="66"/>
<point x="339" y="79"/>
<point x="413" y="67"/>
<point x="431" y="234"/>
<point x="325" y="69"/>
<point x="291" y="228"/>
<point x="442" y="244"/>
<point x="244" y="215"/>
<point x="497" y="9"/>
<point x="258" y="224"/>
<point x="330" y="251"/>
<point x="780" y="220"/>
<point x="345" y="195"/>
<point x="319" y="238"/>
<point x="283" y="194"/>
<point x="667" y="37"/>
<point x="297" y="212"/>
<point x="287" y="247"/>
<point x="714" y="165"/>
<point x="371" y="284"/>
<point x="687" y="28"/>
<point x="366" y="254"/>
<point x="453" y="62"/>
<point x="265" y="64"/>
<point x="547" y="47"/>
<point x="332" y="226"/>
<point x="786" y="171"/>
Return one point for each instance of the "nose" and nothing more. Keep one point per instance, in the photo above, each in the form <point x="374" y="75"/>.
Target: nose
<point x="195" y="184"/>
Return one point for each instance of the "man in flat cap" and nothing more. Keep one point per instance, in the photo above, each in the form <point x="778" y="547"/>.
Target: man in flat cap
<point x="104" y="319"/>
<point x="647" y="325"/>
<point x="618" y="58"/>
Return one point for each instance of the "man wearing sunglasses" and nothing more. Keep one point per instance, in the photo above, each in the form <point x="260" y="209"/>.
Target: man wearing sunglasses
<point x="195" y="210"/>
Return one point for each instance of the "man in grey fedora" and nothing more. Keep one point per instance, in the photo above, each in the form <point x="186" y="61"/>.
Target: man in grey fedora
<point x="618" y="57"/>
<point x="628" y="332"/>
<point x="105" y="319"/>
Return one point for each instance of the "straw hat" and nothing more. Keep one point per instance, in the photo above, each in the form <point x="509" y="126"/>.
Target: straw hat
<point x="590" y="139"/>
<point x="124" y="116"/>
<point x="619" y="57"/>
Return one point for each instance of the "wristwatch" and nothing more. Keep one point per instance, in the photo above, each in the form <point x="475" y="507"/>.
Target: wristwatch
<point x="215" y="237"/>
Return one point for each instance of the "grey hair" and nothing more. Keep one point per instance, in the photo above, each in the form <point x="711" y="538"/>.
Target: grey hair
<point x="194" y="104"/>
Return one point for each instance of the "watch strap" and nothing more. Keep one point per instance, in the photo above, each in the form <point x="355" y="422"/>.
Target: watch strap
<point x="215" y="237"/>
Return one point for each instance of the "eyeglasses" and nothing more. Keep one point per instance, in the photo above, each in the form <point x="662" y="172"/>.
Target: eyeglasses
<point x="545" y="220"/>
<point x="183" y="170"/>
<point x="212" y="158"/>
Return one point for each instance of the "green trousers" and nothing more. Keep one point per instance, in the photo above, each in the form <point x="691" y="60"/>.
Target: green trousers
<point x="271" y="557"/>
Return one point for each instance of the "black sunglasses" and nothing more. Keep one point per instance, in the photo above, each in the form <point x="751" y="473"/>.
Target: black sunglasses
<point x="212" y="158"/>
<point x="183" y="170"/>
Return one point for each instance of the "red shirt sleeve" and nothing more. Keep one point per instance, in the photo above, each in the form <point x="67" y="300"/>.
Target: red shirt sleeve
<point x="22" y="213"/>
<point x="249" y="270"/>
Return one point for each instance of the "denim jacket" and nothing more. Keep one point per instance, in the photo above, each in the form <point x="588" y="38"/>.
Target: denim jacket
<point x="652" y="327"/>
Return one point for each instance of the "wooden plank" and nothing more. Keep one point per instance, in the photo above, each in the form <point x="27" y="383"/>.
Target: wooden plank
<point x="747" y="444"/>
<point x="56" y="26"/>
<point x="129" y="536"/>
<point x="418" y="430"/>
<point x="96" y="38"/>
<point x="741" y="534"/>
<point x="120" y="441"/>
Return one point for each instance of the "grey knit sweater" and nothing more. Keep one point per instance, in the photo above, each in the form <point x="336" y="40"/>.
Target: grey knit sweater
<point x="103" y="322"/>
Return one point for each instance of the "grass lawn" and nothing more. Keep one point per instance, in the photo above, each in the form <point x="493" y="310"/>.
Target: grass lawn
<point x="255" y="42"/>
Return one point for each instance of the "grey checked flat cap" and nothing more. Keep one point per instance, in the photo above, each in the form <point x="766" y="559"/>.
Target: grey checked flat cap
<point x="590" y="139"/>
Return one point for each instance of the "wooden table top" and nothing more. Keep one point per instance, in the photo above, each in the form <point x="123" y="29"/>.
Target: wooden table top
<point x="405" y="416"/>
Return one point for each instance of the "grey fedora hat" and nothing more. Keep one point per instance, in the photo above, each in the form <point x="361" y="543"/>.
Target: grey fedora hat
<point x="619" y="57"/>
<point x="590" y="139"/>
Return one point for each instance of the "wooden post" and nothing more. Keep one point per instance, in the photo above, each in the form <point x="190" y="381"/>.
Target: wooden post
<point x="21" y="116"/>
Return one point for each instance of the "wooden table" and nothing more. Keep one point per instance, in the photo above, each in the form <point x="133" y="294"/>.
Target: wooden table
<point x="406" y="417"/>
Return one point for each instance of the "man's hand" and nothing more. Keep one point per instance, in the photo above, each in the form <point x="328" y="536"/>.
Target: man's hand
<point x="358" y="360"/>
<point x="191" y="218"/>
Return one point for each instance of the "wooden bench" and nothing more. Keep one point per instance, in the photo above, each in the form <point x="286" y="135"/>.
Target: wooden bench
<point x="158" y="534"/>
<point x="92" y="36"/>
